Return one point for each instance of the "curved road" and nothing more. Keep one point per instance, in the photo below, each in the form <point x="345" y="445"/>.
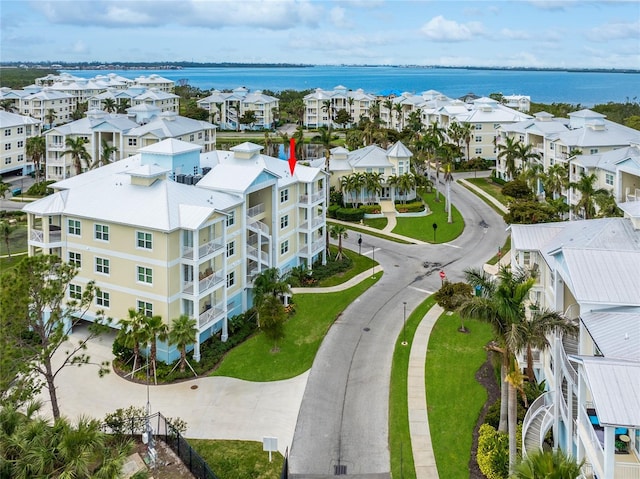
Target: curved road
<point x="342" y="425"/>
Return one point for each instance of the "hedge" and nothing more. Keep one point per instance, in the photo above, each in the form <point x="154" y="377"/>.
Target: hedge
<point x="493" y="452"/>
<point x="331" y="211"/>
<point x="350" y="214"/>
<point x="371" y="209"/>
<point x="413" y="207"/>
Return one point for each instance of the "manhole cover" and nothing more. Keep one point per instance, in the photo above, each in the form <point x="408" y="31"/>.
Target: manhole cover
<point x="366" y="329"/>
<point x="195" y="386"/>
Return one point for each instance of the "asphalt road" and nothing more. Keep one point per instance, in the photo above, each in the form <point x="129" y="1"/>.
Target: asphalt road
<point x="16" y="181"/>
<point x="342" y="425"/>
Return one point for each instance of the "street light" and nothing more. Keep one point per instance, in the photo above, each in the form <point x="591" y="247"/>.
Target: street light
<point x="373" y="262"/>
<point x="404" y="323"/>
<point x="359" y="245"/>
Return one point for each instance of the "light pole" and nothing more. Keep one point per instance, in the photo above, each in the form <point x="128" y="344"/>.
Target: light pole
<point x="373" y="262"/>
<point x="404" y="323"/>
<point x="359" y="245"/>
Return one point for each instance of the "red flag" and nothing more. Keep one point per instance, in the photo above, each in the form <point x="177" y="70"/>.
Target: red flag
<point x="292" y="155"/>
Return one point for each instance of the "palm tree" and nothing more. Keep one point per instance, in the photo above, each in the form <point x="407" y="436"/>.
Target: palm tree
<point x="4" y="188"/>
<point x="36" y="148"/>
<point x="466" y="135"/>
<point x="448" y="178"/>
<point x="373" y="183"/>
<point x="556" y="179"/>
<point x="502" y="304"/>
<point x="50" y="117"/>
<point x="359" y="181"/>
<point x="105" y="156"/>
<point x="6" y="230"/>
<point x="328" y="108"/>
<point x="388" y="104"/>
<point x="508" y="151"/>
<point x="399" y="117"/>
<point x="154" y="329"/>
<point x="268" y="283"/>
<point x="132" y="333"/>
<point x="607" y="206"/>
<point x="109" y="105"/>
<point x="7" y="105"/>
<point x="123" y="105"/>
<point x="585" y="185"/>
<point x="183" y="333"/>
<point x="78" y="152"/>
<point x="345" y="187"/>
<point x="338" y="231"/>
<point x="547" y="465"/>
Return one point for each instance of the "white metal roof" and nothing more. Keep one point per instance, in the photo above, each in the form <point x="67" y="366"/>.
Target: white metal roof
<point x="615" y="388"/>
<point x="616" y="333"/>
<point x="8" y="120"/>
<point x="398" y="150"/>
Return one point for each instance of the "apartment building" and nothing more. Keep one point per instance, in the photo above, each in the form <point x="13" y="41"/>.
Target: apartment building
<point x="143" y="126"/>
<point x="588" y="271"/>
<point x="174" y="231"/>
<point x="357" y="103"/>
<point x="226" y="108"/>
<point x="41" y="104"/>
<point x="16" y="130"/>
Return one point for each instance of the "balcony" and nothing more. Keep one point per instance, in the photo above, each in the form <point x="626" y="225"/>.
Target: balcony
<point x="312" y="198"/>
<point x="205" y="284"/>
<point x="257" y="255"/>
<point x="314" y="223"/>
<point x="259" y="227"/>
<point x="37" y="236"/>
<point x="210" y="315"/>
<point x="56" y="146"/>
<point x="204" y="249"/>
<point x="256" y="210"/>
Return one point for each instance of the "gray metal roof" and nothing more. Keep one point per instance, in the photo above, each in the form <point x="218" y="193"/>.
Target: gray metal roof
<point x="616" y="333"/>
<point x="615" y="388"/>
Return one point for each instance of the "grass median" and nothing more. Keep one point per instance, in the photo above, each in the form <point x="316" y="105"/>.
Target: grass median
<point x="254" y="360"/>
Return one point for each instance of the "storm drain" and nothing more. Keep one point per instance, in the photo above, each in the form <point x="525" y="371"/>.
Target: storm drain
<point x="340" y="470"/>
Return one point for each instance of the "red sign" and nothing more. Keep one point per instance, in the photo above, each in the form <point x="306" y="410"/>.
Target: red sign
<point x="292" y="155"/>
<point x="442" y="275"/>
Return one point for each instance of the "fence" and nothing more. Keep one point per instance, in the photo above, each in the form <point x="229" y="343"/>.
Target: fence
<point x="165" y="432"/>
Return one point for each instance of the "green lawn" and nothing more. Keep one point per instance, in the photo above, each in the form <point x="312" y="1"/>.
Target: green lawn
<point x="360" y="263"/>
<point x="422" y="227"/>
<point x="304" y="331"/>
<point x="506" y="247"/>
<point x="488" y="186"/>
<point x="399" y="436"/>
<point x="454" y="397"/>
<point x="238" y="459"/>
<point x="17" y="245"/>
<point x="354" y="227"/>
<point x="377" y="223"/>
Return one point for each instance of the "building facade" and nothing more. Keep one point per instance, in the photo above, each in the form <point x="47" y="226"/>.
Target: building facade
<point x="174" y="231"/>
<point x="16" y="130"/>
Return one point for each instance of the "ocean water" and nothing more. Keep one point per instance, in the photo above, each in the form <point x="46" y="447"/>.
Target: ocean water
<point x="585" y="88"/>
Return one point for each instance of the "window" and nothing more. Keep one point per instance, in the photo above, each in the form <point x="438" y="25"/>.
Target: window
<point x="145" y="308"/>
<point x="284" y="222"/>
<point x="20" y="130"/>
<point x="608" y="179"/>
<point x="478" y="139"/>
<point x="20" y="157"/>
<point x="133" y="141"/>
<point x="231" y="248"/>
<point x="552" y="146"/>
<point x="231" y="279"/>
<point x="144" y="240"/>
<point x="478" y="126"/>
<point x="478" y="151"/>
<point x="284" y="196"/>
<point x="75" y="259"/>
<point x="593" y="151"/>
<point x="192" y="137"/>
<point x="103" y="298"/>
<point x="20" y="144"/>
<point x="284" y="247"/>
<point x="7" y="160"/>
<point x="231" y="219"/>
<point x="381" y="171"/>
<point x="145" y="275"/>
<point x="521" y="138"/>
<point x="75" y="291"/>
<point x="102" y="265"/>
<point x="73" y="227"/>
<point x="7" y="132"/>
<point x="7" y="146"/>
<point x="102" y="232"/>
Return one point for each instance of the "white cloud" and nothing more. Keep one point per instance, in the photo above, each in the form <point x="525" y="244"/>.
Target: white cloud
<point x="339" y="18"/>
<point x="514" y="34"/>
<point x="615" y="31"/>
<point x="439" y="29"/>
<point x="553" y="4"/>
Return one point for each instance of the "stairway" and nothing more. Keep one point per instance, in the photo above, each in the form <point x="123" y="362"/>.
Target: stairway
<point x="537" y="430"/>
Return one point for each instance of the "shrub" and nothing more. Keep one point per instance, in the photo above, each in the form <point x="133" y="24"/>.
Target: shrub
<point x="493" y="453"/>
<point x="517" y="189"/>
<point x="40" y="189"/>
<point x="322" y="271"/>
<point x="350" y="214"/>
<point x="370" y="209"/>
<point x="331" y="211"/>
<point x="412" y="207"/>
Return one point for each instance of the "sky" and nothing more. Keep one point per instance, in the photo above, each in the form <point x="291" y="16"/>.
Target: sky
<point x="484" y="33"/>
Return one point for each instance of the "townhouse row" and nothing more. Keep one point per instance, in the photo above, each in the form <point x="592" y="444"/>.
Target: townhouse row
<point x="587" y="270"/>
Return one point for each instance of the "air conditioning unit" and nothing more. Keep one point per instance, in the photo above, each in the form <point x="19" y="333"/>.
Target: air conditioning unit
<point x="205" y="170"/>
<point x="180" y="178"/>
<point x="195" y="179"/>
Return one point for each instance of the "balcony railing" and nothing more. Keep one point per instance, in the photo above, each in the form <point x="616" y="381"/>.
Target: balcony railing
<point x="38" y="236"/>
<point x="259" y="226"/>
<point x="210" y="315"/>
<point x="257" y="254"/>
<point x="56" y="146"/>
<point x="313" y="198"/>
<point x="315" y="222"/>
<point x="204" y="249"/>
<point x="204" y="284"/>
<point x="592" y="444"/>
<point x="317" y="246"/>
<point x="255" y="210"/>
